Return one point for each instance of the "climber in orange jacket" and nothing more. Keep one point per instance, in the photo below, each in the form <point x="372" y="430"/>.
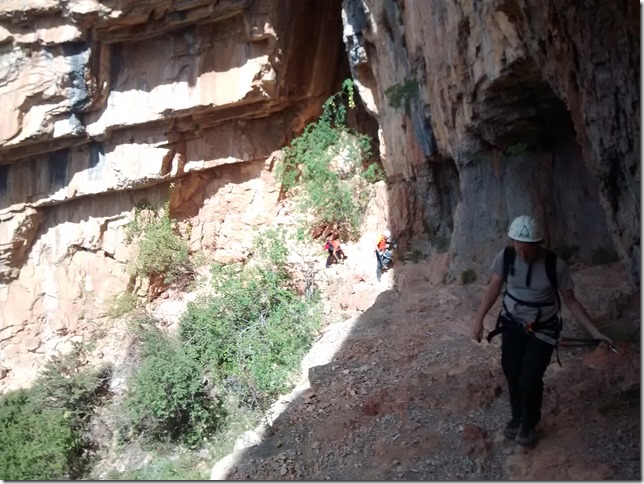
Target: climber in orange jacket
<point x="334" y="248"/>
<point x="384" y="252"/>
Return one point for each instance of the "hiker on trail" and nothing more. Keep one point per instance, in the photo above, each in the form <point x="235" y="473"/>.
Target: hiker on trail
<point x="334" y="248"/>
<point x="384" y="252"/>
<point x="530" y="321"/>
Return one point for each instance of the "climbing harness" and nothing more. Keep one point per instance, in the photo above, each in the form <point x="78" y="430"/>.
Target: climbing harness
<point x="547" y="331"/>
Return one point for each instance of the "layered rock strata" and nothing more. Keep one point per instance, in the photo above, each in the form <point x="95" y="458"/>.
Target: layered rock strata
<point x="107" y="104"/>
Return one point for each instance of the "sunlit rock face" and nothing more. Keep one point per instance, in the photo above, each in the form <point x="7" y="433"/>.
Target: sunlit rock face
<point x="508" y="107"/>
<point x="481" y="111"/>
<point x="107" y="104"/>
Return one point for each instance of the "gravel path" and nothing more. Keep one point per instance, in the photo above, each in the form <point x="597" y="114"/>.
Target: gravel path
<point x="402" y="392"/>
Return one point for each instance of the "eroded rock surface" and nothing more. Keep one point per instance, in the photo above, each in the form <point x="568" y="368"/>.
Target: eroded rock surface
<point x="491" y="109"/>
<point x="112" y="104"/>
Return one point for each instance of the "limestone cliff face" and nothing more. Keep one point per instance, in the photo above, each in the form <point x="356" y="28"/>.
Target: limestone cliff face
<point x="525" y="106"/>
<point x="485" y="110"/>
<point x="110" y="103"/>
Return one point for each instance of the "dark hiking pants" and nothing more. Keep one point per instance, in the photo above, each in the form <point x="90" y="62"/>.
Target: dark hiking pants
<point x="524" y="359"/>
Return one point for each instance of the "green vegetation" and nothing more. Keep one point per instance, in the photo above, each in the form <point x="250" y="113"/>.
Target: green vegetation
<point x="373" y="173"/>
<point x="43" y="430"/>
<point x="168" y="400"/>
<point x="253" y="333"/>
<point x="161" y="251"/>
<point x="35" y="443"/>
<point x="468" y="276"/>
<point x="234" y="352"/>
<point x="319" y="168"/>
<point x="120" y="305"/>
<point x="244" y="341"/>
<point x="162" y="468"/>
<point x="399" y="95"/>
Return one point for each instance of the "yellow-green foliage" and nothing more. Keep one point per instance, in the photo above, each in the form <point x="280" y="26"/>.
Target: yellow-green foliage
<point x="255" y="330"/>
<point x="168" y="400"/>
<point x="307" y="164"/>
<point x="121" y="305"/>
<point x="160" y="249"/>
<point x="245" y="340"/>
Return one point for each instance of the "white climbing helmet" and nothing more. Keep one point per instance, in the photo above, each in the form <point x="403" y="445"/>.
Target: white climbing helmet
<point x="525" y="229"/>
<point x="387" y="233"/>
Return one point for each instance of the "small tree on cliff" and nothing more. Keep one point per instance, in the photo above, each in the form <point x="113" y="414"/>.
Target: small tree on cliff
<point x="162" y="254"/>
<point x="326" y="169"/>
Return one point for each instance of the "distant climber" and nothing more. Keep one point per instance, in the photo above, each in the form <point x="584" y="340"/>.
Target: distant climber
<point x="384" y="252"/>
<point x="335" y="250"/>
<point x="530" y="321"/>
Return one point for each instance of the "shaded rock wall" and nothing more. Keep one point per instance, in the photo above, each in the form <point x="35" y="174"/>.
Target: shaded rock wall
<point x="530" y="106"/>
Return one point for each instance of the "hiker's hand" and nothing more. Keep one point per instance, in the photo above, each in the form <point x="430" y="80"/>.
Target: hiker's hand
<point x="477" y="330"/>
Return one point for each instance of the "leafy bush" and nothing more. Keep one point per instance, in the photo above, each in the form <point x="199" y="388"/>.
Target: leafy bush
<point x="255" y="329"/>
<point x="373" y="173"/>
<point x="161" y="251"/>
<point x="66" y="382"/>
<point x="399" y="94"/>
<point x="35" y="443"/>
<point x="43" y="430"/>
<point x="323" y="160"/>
<point x="468" y="276"/>
<point x="168" y="399"/>
<point x="122" y="304"/>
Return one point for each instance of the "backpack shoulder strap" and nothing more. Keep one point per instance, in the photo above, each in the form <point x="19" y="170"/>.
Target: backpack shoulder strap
<point x="508" y="260"/>
<point x="551" y="268"/>
<point x="551" y="272"/>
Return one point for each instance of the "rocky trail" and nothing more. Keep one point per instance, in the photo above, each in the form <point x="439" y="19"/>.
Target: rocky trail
<point x="398" y="390"/>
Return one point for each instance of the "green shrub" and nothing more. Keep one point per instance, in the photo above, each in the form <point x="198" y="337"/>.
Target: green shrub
<point x="468" y="276"/>
<point x="35" y="443"/>
<point x="43" y="430"/>
<point x="253" y="332"/>
<point x="66" y="382"/>
<point x="373" y="173"/>
<point x="121" y="305"/>
<point x="168" y="399"/>
<point x="161" y="251"/>
<point x="400" y="94"/>
<point x="307" y="164"/>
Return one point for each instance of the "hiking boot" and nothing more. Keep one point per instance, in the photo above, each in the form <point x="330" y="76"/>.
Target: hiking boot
<point x="526" y="435"/>
<point x="511" y="429"/>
